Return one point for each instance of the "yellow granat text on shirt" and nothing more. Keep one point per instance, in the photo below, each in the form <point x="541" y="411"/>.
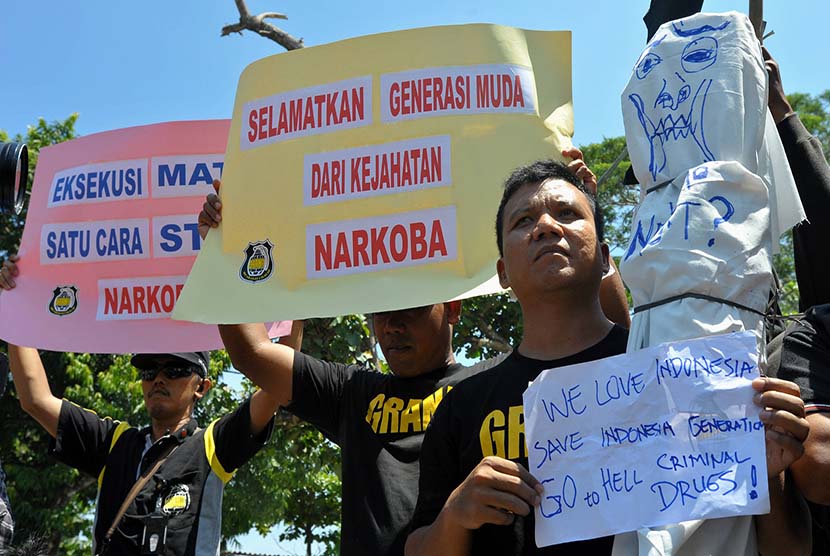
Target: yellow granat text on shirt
<point x="392" y="415"/>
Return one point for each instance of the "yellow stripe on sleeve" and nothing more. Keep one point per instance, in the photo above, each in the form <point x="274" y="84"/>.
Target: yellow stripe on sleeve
<point x="210" y="452"/>
<point x="119" y="430"/>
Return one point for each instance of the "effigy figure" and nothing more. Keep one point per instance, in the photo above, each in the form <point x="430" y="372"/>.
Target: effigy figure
<point x="716" y="189"/>
<point x="716" y="194"/>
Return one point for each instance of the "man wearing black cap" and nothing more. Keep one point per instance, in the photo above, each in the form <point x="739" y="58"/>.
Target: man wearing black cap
<point x="159" y="487"/>
<point x="178" y="509"/>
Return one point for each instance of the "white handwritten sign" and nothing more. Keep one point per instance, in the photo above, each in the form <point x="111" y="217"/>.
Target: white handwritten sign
<point x="657" y="436"/>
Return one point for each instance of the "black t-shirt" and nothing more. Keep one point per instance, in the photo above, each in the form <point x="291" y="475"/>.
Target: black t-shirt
<point x="378" y="420"/>
<point x="186" y="490"/>
<point x="483" y="416"/>
<point x="802" y="354"/>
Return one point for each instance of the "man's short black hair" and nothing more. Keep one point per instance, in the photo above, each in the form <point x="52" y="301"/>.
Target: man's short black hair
<point x="537" y="172"/>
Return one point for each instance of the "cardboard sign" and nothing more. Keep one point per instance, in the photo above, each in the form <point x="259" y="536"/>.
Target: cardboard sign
<point x="365" y="175"/>
<point x="658" y="436"/>
<point x="110" y="237"/>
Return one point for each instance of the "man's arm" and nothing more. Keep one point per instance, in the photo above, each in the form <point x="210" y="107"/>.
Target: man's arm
<point x="812" y="178"/>
<point x="785" y="530"/>
<point x="449" y="509"/>
<point x="812" y="471"/>
<point x="32" y="387"/>
<point x="802" y="355"/>
<point x="494" y="492"/>
<point x="264" y="404"/>
<point x="269" y="366"/>
<point x="612" y="297"/>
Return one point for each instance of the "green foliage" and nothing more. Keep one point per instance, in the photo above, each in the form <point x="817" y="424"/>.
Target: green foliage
<point x="489" y="325"/>
<point x="814" y="113"/>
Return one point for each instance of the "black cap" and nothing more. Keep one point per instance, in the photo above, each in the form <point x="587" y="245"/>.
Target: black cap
<point x="199" y="359"/>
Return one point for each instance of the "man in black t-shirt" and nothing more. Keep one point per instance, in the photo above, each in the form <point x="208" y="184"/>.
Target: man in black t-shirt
<point x="476" y="495"/>
<point x="377" y="419"/>
<point x="178" y="510"/>
<point x="802" y="354"/>
<point x="181" y="503"/>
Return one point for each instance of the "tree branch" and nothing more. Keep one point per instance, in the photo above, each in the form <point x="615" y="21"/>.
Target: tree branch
<point x="373" y="343"/>
<point x="610" y="170"/>
<point x="495" y="345"/>
<point x="258" y="25"/>
<point x="493" y="339"/>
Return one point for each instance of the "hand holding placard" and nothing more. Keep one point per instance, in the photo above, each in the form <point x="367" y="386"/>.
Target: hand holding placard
<point x="658" y="436"/>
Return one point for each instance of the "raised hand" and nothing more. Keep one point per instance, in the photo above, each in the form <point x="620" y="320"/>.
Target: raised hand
<point x="785" y="421"/>
<point x="211" y="214"/>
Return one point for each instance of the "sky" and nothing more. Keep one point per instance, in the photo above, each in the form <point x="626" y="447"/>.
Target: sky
<point x="122" y="64"/>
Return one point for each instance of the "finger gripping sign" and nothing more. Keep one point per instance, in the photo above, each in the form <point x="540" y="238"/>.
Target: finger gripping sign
<point x="110" y="236"/>
<point x="658" y="436"/>
<point x="374" y="167"/>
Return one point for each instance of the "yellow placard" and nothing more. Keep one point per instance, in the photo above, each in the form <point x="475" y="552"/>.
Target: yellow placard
<point x="364" y="175"/>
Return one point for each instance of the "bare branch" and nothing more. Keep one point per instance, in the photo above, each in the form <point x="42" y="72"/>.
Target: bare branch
<point x="492" y="340"/>
<point x="243" y="9"/>
<point x="271" y="15"/>
<point x="610" y="170"/>
<point x="490" y="344"/>
<point x="373" y="343"/>
<point x="258" y="25"/>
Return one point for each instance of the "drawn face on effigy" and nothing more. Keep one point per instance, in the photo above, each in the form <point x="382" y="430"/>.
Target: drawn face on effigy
<point x="696" y="94"/>
<point x="675" y="117"/>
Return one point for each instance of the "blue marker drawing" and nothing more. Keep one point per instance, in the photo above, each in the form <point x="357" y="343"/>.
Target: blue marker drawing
<point x="700" y="173"/>
<point x="677" y="113"/>
<point x="699" y="54"/>
<point x="672" y="126"/>
<point x="754" y="476"/>
<point x="730" y="211"/>
<point x="567" y="496"/>
<point x="678" y="30"/>
<point x="648" y="63"/>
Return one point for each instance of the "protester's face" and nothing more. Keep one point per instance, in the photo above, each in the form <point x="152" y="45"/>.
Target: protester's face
<point x="550" y="242"/>
<point x="418" y="340"/>
<point x="168" y="398"/>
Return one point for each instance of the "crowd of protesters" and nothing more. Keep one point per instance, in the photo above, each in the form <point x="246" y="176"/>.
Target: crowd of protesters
<point x="428" y="488"/>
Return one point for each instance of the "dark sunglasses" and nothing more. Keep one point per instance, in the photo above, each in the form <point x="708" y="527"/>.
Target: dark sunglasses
<point x="172" y="372"/>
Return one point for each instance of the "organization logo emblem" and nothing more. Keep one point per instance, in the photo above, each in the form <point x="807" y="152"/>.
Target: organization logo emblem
<point x="259" y="263"/>
<point x="176" y="501"/>
<point x="64" y="301"/>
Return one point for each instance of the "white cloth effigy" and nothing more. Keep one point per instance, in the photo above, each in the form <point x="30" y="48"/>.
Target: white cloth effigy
<point x="706" y="233"/>
<point x="716" y="194"/>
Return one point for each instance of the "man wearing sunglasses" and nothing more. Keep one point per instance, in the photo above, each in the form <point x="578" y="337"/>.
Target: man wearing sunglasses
<point x="178" y="509"/>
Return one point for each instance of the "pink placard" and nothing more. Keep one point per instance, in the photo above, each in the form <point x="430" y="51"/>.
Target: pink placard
<point x="110" y="237"/>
